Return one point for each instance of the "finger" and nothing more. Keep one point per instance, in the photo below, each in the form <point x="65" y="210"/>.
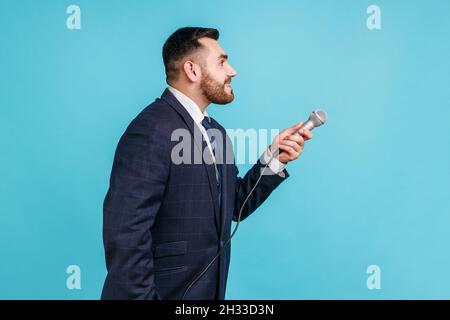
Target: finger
<point x="290" y="151"/>
<point x="294" y="144"/>
<point x="306" y="134"/>
<point x="296" y="138"/>
<point x="289" y="156"/>
<point x="293" y="148"/>
<point x="295" y="127"/>
<point x="285" y="156"/>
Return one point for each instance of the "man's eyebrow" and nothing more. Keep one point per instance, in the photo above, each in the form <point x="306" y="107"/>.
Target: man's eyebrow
<point x="223" y="55"/>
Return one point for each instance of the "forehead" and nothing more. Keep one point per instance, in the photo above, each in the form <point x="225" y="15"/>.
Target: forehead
<point x="213" y="46"/>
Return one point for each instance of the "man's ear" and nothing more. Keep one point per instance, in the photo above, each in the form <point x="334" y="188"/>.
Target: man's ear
<point x="192" y="71"/>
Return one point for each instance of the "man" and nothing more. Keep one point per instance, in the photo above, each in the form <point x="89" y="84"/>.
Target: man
<point x="164" y="221"/>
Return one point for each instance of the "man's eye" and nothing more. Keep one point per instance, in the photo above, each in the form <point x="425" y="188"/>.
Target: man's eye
<point x="222" y="62"/>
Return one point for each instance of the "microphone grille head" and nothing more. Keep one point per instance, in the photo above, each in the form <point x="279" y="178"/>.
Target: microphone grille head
<point x="318" y="117"/>
<point x="322" y="114"/>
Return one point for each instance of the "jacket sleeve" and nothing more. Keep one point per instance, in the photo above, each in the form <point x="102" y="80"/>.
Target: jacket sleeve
<point x="269" y="181"/>
<point x="138" y="179"/>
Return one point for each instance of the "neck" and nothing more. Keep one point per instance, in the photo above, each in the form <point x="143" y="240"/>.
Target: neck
<point x="199" y="99"/>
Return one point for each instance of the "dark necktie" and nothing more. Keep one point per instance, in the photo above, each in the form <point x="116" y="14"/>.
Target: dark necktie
<point x="208" y="124"/>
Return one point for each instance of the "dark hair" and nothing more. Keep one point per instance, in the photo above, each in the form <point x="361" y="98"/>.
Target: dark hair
<point x="181" y="43"/>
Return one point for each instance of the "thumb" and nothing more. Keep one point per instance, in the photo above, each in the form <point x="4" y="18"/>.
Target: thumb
<point x="295" y="128"/>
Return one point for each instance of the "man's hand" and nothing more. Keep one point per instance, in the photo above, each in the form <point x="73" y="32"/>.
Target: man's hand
<point x="291" y="146"/>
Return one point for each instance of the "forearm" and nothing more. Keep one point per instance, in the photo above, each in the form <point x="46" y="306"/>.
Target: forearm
<point x="269" y="181"/>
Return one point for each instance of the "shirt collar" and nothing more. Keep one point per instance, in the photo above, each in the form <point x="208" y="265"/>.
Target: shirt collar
<point x="191" y="107"/>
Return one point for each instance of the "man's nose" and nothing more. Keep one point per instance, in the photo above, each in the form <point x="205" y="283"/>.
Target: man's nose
<point x="232" y="72"/>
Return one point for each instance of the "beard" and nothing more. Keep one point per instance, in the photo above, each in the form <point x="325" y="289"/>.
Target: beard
<point x="214" y="91"/>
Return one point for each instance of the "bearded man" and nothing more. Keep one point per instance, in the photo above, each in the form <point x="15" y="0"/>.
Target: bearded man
<point x="165" y="220"/>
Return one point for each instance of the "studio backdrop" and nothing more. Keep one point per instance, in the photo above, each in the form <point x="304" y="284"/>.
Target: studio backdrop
<point x="365" y="213"/>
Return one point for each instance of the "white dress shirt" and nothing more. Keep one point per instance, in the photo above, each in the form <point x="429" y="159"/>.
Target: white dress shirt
<point x="194" y="111"/>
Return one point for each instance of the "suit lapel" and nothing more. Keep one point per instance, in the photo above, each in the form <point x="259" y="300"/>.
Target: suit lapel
<point x="225" y="147"/>
<point x="168" y="97"/>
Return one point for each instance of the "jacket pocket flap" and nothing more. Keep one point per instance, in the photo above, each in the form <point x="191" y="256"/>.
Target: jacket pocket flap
<point x="170" y="249"/>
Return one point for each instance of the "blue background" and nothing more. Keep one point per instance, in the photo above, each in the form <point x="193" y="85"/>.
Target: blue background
<point x="372" y="187"/>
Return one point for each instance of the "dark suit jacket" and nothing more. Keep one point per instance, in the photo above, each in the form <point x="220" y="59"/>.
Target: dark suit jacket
<point x="162" y="222"/>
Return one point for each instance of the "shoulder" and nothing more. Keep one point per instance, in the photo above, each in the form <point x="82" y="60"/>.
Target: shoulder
<point x="158" y="117"/>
